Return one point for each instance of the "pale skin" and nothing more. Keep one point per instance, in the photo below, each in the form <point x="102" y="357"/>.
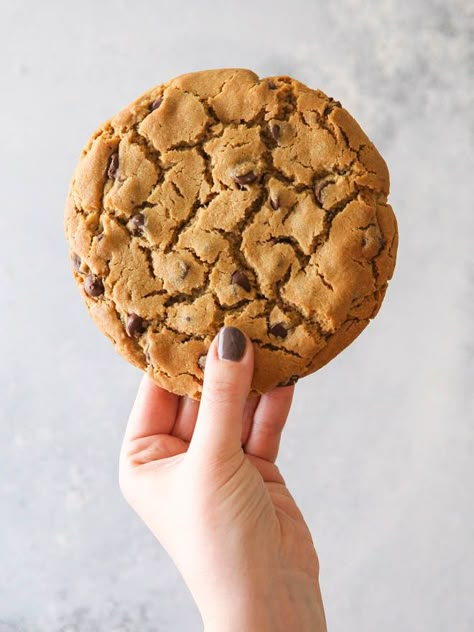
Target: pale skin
<point x="202" y="476"/>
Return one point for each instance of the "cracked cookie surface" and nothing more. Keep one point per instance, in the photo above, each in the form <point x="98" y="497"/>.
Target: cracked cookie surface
<point x="220" y="198"/>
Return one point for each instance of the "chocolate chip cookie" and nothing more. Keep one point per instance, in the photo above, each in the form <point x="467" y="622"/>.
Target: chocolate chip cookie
<point x="219" y="198"/>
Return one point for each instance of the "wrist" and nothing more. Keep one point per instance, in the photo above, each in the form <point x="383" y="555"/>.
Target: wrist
<point x="290" y="601"/>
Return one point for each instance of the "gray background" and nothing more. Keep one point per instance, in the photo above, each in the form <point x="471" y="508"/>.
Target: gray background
<point x="379" y="446"/>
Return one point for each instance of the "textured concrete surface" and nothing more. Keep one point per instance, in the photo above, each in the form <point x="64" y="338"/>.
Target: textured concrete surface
<point x="379" y="447"/>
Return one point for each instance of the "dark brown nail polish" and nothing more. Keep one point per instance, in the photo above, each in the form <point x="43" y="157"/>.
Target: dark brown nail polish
<point x="231" y="344"/>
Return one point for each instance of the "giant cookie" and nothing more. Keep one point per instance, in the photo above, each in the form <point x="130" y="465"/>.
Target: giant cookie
<point x="219" y="198"/>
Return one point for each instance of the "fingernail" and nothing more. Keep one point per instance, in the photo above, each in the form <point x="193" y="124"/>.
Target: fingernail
<point x="231" y="344"/>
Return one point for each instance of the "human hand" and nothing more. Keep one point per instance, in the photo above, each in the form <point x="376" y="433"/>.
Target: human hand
<point x="202" y="476"/>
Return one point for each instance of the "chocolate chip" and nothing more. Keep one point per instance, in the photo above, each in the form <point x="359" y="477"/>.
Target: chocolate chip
<point x="279" y="330"/>
<point x="292" y="380"/>
<point x="113" y="166"/>
<point x="93" y="286"/>
<point x="330" y="107"/>
<point x="156" y="103"/>
<point x="135" y="325"/>
<point x="76" y="262"/>
<point x="136" y="223"/>
<point x="239" y="278"/>
<point x="183" y="269"/>
<point x="275" y="131"/>
<point x="246" y="178"/>
<point x="275" y="202"/>
<point x="202" y="361"/>
<point x="271" y="85"/>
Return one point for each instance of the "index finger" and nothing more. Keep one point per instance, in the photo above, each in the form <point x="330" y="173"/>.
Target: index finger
<point x="154" y="411"/>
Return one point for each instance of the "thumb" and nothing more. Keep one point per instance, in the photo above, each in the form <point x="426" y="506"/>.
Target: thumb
<point x="227" y="379"/>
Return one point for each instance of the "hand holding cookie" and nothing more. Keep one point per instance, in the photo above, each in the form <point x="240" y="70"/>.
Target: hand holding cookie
<point x="203" y="478"/>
